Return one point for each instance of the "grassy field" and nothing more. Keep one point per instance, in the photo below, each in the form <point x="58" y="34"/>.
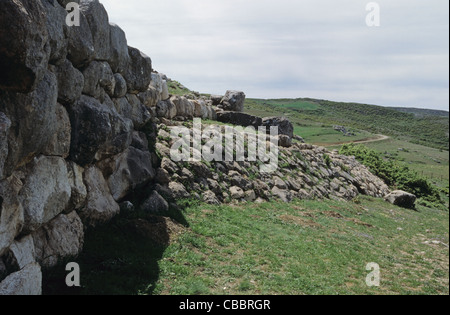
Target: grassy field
<point x="429" y="129"/>
<point x="306" y="247"/>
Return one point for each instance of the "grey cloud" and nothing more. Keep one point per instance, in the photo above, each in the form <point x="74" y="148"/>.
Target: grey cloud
<point x="288" y="48"/>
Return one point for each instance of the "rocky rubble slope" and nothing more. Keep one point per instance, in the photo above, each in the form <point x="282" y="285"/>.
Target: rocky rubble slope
<point x="84" y="123"/>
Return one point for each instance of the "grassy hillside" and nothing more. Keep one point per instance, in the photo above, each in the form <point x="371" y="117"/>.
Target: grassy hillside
<point x="420" y="112"/>
<point x="431" y="131"/>
<point x="306" y="247"/>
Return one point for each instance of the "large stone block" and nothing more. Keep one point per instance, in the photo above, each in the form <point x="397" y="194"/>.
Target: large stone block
<point x="46" y="191"/>
<point x="100" y="206"/>
<point x="138" y="74"/>
<point x="127" y="171"/>
<point x="59" y="144"/>
<point x="80" y="49"/>
<point x="33" y="117"/>
<point x="70" y="82"/>
<point x="98" y="80"/>
<point x="98" y="131"/>
<point x="27" y="281"/>
<point x="24" y="48"/>
<point x="233" y="101"/>
<point x="61" y="238"/>
<point x="120" y="59"/>
<point x="57" y="29"/>
<point x="98" y="20"/>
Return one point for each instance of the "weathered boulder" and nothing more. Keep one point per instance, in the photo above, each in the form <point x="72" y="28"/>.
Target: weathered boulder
<point x="33" y="117"/>
<point x="210" y="198"/>
<point x="165" y="91"/>
<point x="131" y="108"/>
<point x="157" y="82"/>
<point x="138" y="74"/>
<point x="59" y="144"/>
<point x="127" y="171"/>
<point x="120" y="59"/>
<point x="46" y="191"/>
<point x="27" y="281"/>
<point x="99" y="79"/>
<point x="178" y="191"/>
<point x="57" y="28"/>
<point x="237" y="193"/>
<point x="61" y="238"/>
<point x="150" y="98"/>
<point x="284" y="141"/>
<point x="11" y="212"/>
<point x="98" y="131"/>
<point x="185" y="108"/>
<point x="70" y="82"/>
<point x="200" y="109"/>
<point x="240" y="119"/>
<point x="22" y="252"/>
<point x="120" y="89"/>
<point x="98" y="20"/>
<point x="80" y="50"/>
<point x="233" y="101"/>
<point x="24" y="48"/>
<point x="166" y="109"/>
<point x="78" y="188"/>
<point x="402" y="199"/>
<point x="100" y="206"/>
<point x="155" y="204"/>
<point x="140" y="141"/>
<point x="285" y="127"/>
<point x="283" y="195"/>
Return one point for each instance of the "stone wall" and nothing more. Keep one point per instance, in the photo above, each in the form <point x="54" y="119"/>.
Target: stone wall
<point x="73" y="104"/>
<point x="84" y="124"/>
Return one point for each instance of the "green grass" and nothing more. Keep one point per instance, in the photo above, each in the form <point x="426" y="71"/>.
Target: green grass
<point x="326" y="135"/>
<point x="306" y="247"/>
<point x="176" y="88"/>
<point x="431" y="131"/>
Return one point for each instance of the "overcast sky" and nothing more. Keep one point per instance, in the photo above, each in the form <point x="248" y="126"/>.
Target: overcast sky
<point x="297" y="48"/>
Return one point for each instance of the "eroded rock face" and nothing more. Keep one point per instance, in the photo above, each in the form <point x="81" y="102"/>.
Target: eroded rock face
<point x="402" y="199"/>
<point x="100" y="205"/>
<point x="63" y="237"/>
<point x="138" y="74"/>
<point x="80" y="49"/>
<point x="124" y="173"/>
<point x="24" y="49"/>
<point x="98" y="21"/>
<point x="33" y="118"/>
<point x="120" y="59"/>
<point x="57" y="29"/>
<point x="233" y="101"/>
<point x="70" y="82"/>
<point x="46" y="191"/>
<point x="97" y="130"/>
<point x="27" y="281"/>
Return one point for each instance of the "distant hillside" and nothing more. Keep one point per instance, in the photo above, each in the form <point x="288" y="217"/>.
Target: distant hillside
<point x="429" y="130"/>
<point x="420" y="112"/>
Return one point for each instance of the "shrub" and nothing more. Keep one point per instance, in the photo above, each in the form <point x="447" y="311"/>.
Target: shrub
<point x="392" y="173"/>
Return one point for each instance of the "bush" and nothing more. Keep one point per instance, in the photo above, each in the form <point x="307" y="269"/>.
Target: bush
<point x="395" y="175"/>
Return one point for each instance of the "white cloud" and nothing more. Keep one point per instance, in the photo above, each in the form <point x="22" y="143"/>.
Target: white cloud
<point x="291" y="48"/>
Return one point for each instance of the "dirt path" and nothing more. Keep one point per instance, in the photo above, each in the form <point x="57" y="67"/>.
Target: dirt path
<point x="368" y="140"/>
